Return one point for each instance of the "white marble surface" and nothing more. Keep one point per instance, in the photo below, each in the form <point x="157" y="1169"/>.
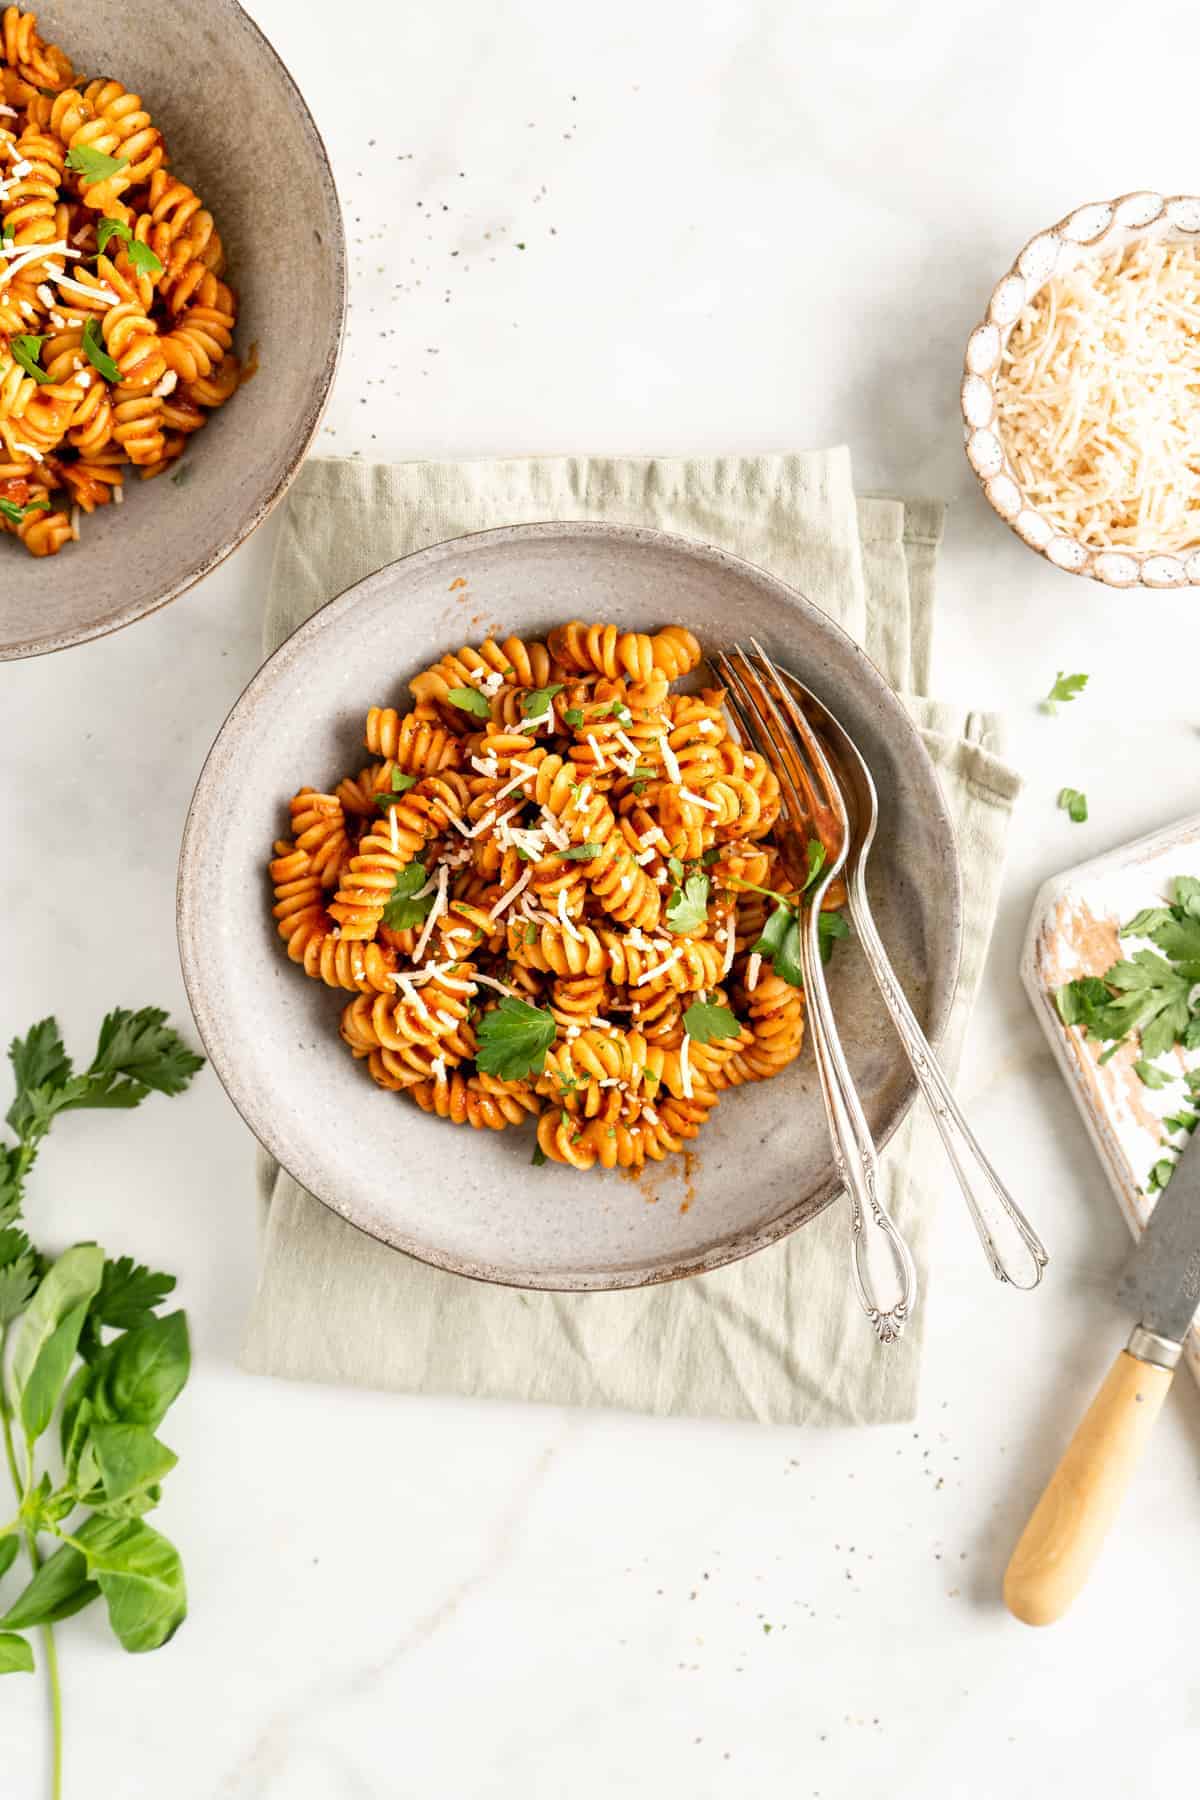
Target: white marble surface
<point x="744" y="226"/>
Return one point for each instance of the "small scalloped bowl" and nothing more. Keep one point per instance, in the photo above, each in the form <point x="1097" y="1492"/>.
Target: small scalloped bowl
<point x="1101" y="225"/>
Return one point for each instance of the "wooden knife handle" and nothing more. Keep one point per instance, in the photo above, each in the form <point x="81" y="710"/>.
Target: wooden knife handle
<point x="1062" y="1540"/>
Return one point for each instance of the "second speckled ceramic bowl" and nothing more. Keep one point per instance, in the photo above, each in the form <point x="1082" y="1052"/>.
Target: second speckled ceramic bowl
<point x="467" y="1200"/>
<point x="238" y="131"/>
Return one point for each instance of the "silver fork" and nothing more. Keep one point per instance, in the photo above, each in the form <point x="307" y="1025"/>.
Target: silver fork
<point x="811" y="798"/>
<point x="959" y="1141"/>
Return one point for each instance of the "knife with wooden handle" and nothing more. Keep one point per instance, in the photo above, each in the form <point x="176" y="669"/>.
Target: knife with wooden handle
<point x="1161" y="1287"/>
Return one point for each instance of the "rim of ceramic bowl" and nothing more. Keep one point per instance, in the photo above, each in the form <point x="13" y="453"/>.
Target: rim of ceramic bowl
<point x="1095" y="226"/>
<point x="256" y="1113"/>
<point x="310" y="422"/>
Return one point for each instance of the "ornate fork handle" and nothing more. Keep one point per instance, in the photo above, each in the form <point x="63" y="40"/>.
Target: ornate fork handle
<point x="874" y="1237"/>
<point x="959" y="1141"/>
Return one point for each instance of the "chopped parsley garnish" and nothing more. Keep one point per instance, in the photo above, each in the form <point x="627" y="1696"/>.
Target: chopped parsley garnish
<point x="26" y="351"/>
<point x="513" y="1040"/>
<point x="141" y="256"/>
<point x="581" y="852"/>
<point x="816" y="862"/>
<point x="408" y="906"/>
<point x="470" y="700"/>
<point x="1074" y="804"/>
<point x="14" y="513"/>
<point x="705" y="1023"/>
<point x="97" y="355"/>
<point x="1066" y="687"/>
<point x="400" y="785"/>
<point x="537" y="700"/>
<point x="94" y="165"/>
<point x="1149" y="994"/>
<point x="573" y="716"/>
<point x="780" y="944"/>
<point x="539" y="1156"/>
<point x="687" y="908"/>
<point x="1150" y="1076"/>
<point x="531" y="934"/>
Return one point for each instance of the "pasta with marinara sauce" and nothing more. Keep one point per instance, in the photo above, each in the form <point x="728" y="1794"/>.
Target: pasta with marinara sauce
<point x="116" y="323"/>
<point x="551" y="844"/>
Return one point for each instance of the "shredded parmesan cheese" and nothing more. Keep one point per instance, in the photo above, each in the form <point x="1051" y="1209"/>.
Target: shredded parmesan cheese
<point x="670" y="760"/>
<point x="1096" y="400"/>
<point x="438" y="907"/>
<point x="685" y="1066"/>
<point x="752" y="970"/>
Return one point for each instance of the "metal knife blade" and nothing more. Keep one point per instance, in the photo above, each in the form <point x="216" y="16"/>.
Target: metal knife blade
<point x="1160" y="1283"/>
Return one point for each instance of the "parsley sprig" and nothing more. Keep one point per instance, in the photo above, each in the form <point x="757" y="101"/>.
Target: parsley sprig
<point x="513" y="1039"/>
<point x="779" y="943"/>
<point x="1074" y="804"/>
<point x="82" y="1337"/>
<point x="408" y="906"/>
<point x="141" y="256"/>
<point x="1066" y="687"/>
<point x="1147" y="995"/>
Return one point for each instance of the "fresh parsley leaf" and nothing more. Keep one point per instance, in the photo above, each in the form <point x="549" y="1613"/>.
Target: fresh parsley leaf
<point x="1191" y="1037"/>
<point x="11" y="511"/>
<point x="140" y="1046"/>
<point x="830" y="927"/>
<point x="1185" y="896"/>
<point x="687" y="909"/>
<point x="581" y="852"/>
<point x="537" y="700"/>
<point x="1151" y="1076"/>
<point x="141" y="256"/>
<point x="128" y="1294"/>
<point x="711" y="856"/>
<point x="1065" y="688"/>
<point x="1151" y="998"/>
<point x="39" y="1060"/>
<point x="97" y="355"/>
<point x="400" y="785"/>
<point x="513" y="1040"/>
<point x="705" y="1023"/>
<point x="676" y="869"/>
<point x="1184" y="1121"/>
<point x="94" y="165"/>
<point x="816" y="861"/>
<point x="573" y="716"/>
<point x="26" y="351"/>
<point x="1079" y="1001"/>
<point x="539" y="1156"/>
<point x="470" y="700"/>
<point x="1160" y="1174"/>
<point x="408" y="906"/>
<point x="1145" y="923"/>
<point x="1179" y="938"/>
<point x="18" y="1283"/>
<point x="1074" y="804"/>
<point x="780" y="945"/>
<point x="531" y="934"/>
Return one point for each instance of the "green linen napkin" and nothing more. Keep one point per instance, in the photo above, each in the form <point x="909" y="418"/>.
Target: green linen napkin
<point x="777" y="1337"/>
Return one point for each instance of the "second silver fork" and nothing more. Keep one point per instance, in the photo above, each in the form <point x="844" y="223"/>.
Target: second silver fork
<point x="874" y="1236"/>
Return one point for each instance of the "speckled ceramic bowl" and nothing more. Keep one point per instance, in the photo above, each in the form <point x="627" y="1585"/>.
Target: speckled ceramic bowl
<point x="239" y="132"/>
<point x="1101" y="226"/>
<point x="466" y="1200"/>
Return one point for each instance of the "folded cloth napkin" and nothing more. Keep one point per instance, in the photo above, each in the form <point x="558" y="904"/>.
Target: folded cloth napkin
<point x="777" y="1337"/>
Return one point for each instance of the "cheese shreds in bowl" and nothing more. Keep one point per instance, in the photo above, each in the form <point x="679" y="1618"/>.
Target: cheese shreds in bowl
<point x="1098" y="399"/>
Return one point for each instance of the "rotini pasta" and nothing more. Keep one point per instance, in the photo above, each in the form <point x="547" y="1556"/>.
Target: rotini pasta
<point x="116" y="327"/>
<point x="554" y="894"/>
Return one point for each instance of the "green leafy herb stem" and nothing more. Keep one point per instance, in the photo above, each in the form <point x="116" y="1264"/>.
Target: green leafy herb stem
<point x="59" y="1357"/>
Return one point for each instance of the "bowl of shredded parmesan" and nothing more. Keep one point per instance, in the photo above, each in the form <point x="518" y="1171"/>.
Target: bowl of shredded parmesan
<point x="1081" y="392"/>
